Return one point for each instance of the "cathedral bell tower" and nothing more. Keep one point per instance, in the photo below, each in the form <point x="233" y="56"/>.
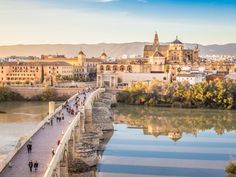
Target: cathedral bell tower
<point x="156" y="41"/>
<point x="81" y="58"/>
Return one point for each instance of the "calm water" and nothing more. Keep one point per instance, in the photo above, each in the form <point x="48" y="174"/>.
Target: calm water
<point x="169" y="143"/>
<point x="19" y="120"/>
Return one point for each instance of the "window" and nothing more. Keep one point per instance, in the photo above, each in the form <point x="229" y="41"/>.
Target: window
<point x="108" y="67"/>
<point x="115" y="68"/>
<point x="122" y="68"/>
<point x="129" y="68"/>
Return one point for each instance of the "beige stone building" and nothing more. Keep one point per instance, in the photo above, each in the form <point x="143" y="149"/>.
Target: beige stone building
<point x="33" y="72"/>
<point x="159" y="62"/>
<point x="173" y="52"/>
<point x="82" y="65"/>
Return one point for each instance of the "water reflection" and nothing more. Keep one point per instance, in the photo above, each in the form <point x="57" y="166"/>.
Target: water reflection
<point x="174" y="122"/>
<point x="169" y="142"/>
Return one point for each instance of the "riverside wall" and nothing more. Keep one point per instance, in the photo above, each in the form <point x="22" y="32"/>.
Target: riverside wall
<point x="29" y="92"/>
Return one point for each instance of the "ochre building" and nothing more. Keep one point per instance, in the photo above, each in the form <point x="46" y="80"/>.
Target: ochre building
<point x="173" y="52"/>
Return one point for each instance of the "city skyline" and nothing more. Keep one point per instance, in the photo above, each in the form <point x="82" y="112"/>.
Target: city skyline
<point x="116" y="21"/>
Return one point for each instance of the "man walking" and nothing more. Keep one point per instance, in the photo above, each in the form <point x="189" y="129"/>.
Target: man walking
<point x="36" y="165"/>
<point x="28" y="148"/>
<point x="30" y="164"/>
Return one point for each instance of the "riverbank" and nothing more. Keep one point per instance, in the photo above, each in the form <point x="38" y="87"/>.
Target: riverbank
<point x="40" y="93"/>
<point x="216" y="94"/>
<point x="29" y="94"/>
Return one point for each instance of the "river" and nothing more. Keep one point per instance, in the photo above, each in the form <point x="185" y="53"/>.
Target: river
<point x="18" y="121"/>
<point x="147" y="141"/>
<point x="166" y="142"/>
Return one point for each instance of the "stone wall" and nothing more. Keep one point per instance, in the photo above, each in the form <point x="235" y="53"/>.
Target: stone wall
<point x="29" y="92"/>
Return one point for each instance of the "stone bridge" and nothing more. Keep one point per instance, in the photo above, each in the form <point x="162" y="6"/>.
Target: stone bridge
<point x="77" y="141"/>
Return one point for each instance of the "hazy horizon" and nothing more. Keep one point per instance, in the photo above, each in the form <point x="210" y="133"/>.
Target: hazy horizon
<point x="2" y="45"/>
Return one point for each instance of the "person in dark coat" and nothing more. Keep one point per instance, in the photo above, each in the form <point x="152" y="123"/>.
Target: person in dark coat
<point x="36" y="165"/>
<point x="30" y="164"/>
<point x="28" y="148"/>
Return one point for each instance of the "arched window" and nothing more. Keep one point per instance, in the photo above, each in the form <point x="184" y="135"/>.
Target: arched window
<point x="122" y="68"/>
<point x="101" y="68"/>
<point x="129" y="68"/>
<point x="108" y="67"/>
<point x="115" y="68"/>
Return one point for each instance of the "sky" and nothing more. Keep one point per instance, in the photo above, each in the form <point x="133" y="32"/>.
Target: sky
<point x="116" y="21"/>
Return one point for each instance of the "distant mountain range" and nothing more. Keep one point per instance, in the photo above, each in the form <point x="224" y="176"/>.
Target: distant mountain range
<point x="113" y="50"/>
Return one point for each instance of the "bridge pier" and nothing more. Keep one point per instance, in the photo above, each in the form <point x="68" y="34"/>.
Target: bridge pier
<point x="63" y="169"/>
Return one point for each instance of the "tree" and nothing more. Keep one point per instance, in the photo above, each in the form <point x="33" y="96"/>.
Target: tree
<point x="42" y="74"/>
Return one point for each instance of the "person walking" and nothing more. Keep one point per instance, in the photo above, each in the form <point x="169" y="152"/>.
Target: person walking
<point x="58" y="142"/>
<point x="53" y="152"/>
<point x="30" y="164"/>
<point x="28" y="148"/>
<point x="36" y="165"/>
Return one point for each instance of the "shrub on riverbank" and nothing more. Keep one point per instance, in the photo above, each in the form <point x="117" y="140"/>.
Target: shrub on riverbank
<point x="7" y="94"/>
<point x="214" y="94"/>
<point x="231" y="168"/>
<point x="49" y="94"/>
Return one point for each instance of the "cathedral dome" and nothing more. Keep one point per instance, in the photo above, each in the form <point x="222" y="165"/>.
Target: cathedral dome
<point x="81" y="53"/>
<point x="104" y="54"/>
<point x="177" y="41"/>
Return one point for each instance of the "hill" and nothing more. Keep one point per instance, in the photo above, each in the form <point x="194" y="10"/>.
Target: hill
<point x="112" y="49"/>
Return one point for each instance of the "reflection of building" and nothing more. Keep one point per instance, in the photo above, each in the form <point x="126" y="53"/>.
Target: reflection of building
<point x="175" y="135"/>
<point x="33" y="72"/>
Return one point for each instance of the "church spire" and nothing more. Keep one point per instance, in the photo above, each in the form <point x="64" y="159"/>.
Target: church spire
<point x="156" y="40"/>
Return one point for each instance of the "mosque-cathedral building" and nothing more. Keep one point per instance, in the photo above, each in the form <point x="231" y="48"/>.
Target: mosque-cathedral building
<point x="159" y="61"/>
<point x="173" y="52"/>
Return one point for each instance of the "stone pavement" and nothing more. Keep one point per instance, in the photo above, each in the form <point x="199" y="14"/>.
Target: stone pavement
<point x="42" y="143"/>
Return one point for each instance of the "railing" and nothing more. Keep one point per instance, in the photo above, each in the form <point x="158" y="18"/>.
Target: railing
<point x="12" y="153"/>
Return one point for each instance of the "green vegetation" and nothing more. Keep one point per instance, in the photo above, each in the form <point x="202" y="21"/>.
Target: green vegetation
<point x="7" y="95"/>
<point x="79" y="79"/>
<point x="231" y="168"/>
<point x="215" y="94"/>
<point x="49" y="94"/>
